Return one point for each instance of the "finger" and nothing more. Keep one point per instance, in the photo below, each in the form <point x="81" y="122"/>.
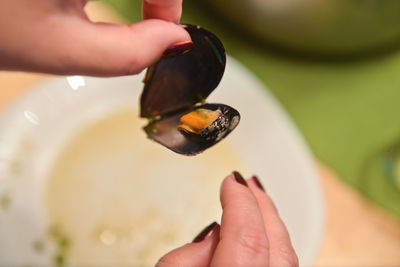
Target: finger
<point x="169" y="10"/>
<point x="281" y="250"/>
<point x="243" y="241"/>
<point x="106" y="50"/>
<point x="73" y="45"/>
<point x="197" y="253"/>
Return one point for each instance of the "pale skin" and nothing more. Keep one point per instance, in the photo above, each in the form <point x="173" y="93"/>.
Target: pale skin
<point x="251" y="233"/>
<point x="55" y="36"/>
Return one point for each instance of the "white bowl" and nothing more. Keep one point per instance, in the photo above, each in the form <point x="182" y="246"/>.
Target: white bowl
<point x="178" y="192"/>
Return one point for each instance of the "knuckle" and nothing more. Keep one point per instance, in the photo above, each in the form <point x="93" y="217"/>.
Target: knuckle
<point x="253" y="241"/>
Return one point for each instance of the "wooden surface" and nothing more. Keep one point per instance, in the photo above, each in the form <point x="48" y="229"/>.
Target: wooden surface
<point x="357" y="233"/>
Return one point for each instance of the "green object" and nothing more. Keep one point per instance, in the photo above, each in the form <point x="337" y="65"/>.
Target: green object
<point x="326" y="28"/>
<point x="347" y="110"/>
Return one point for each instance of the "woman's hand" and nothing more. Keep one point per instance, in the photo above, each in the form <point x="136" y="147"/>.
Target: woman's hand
<point x="55" y="36"/>
<point x="251" y="232"/>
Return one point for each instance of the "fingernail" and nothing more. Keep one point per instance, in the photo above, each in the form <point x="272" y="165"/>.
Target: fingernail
<point x="258" y="183"/>
<point x="239" y="178"/>
<point x="178" y="49"/>
<point x="207" y="232"/>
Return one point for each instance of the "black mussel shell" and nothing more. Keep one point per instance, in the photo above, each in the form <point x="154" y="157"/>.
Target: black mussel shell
<point x="165" y="131"/>
<point x="178" y="82"/>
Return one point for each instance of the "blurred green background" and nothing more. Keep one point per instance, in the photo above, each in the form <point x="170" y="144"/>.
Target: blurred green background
<point x="348" y="110"/>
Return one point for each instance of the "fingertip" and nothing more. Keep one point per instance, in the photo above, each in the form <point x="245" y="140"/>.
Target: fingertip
<point x="234" y="178"/>
<point x="233" y="187"/>
<point x="206" y="232"/>
<point x="257" y="182"/>
<point x="101" y="49"/>
<point x="197" y="253"/>
<point x="169" y="29"/>
<point x="153" y="38"/>
<point x="239" y="178"/>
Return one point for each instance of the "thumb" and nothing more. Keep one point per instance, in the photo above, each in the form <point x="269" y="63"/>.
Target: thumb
<point x="197" y="253"/>
<point x="77" y="46"/>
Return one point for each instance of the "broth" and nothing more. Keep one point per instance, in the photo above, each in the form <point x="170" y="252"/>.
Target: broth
<point x="122" y="199"/>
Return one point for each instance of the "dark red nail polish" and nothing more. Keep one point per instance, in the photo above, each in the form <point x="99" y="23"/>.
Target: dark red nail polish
<point x="239" y="178"/>
<point x="178" y="49"/>
<point x="205" y="233"/>
<point x="258" y="183"/>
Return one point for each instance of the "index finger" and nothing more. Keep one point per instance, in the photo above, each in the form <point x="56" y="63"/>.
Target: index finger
<point x="169" y="10"/>
<point x="243" y="241"/>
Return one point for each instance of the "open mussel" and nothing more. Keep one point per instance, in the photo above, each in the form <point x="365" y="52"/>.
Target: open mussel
<point x="207" y="123"/>
<point x="174" y="94"/>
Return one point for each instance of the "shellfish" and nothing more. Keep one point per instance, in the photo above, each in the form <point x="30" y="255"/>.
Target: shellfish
<point x="174" y="94"/>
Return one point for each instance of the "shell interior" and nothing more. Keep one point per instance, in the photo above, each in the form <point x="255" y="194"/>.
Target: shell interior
<point x="179" y="82"/>
<point x="165" y="131"/>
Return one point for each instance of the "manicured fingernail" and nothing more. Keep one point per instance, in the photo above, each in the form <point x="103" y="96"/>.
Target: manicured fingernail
<point x="239" y="178"/>
<point x="178" y="49"/>
<point x="258" y="183"/>
<point x="207" y="232"/>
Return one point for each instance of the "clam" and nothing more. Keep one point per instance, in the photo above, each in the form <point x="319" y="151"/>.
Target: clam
<point x="174" y="94"/>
